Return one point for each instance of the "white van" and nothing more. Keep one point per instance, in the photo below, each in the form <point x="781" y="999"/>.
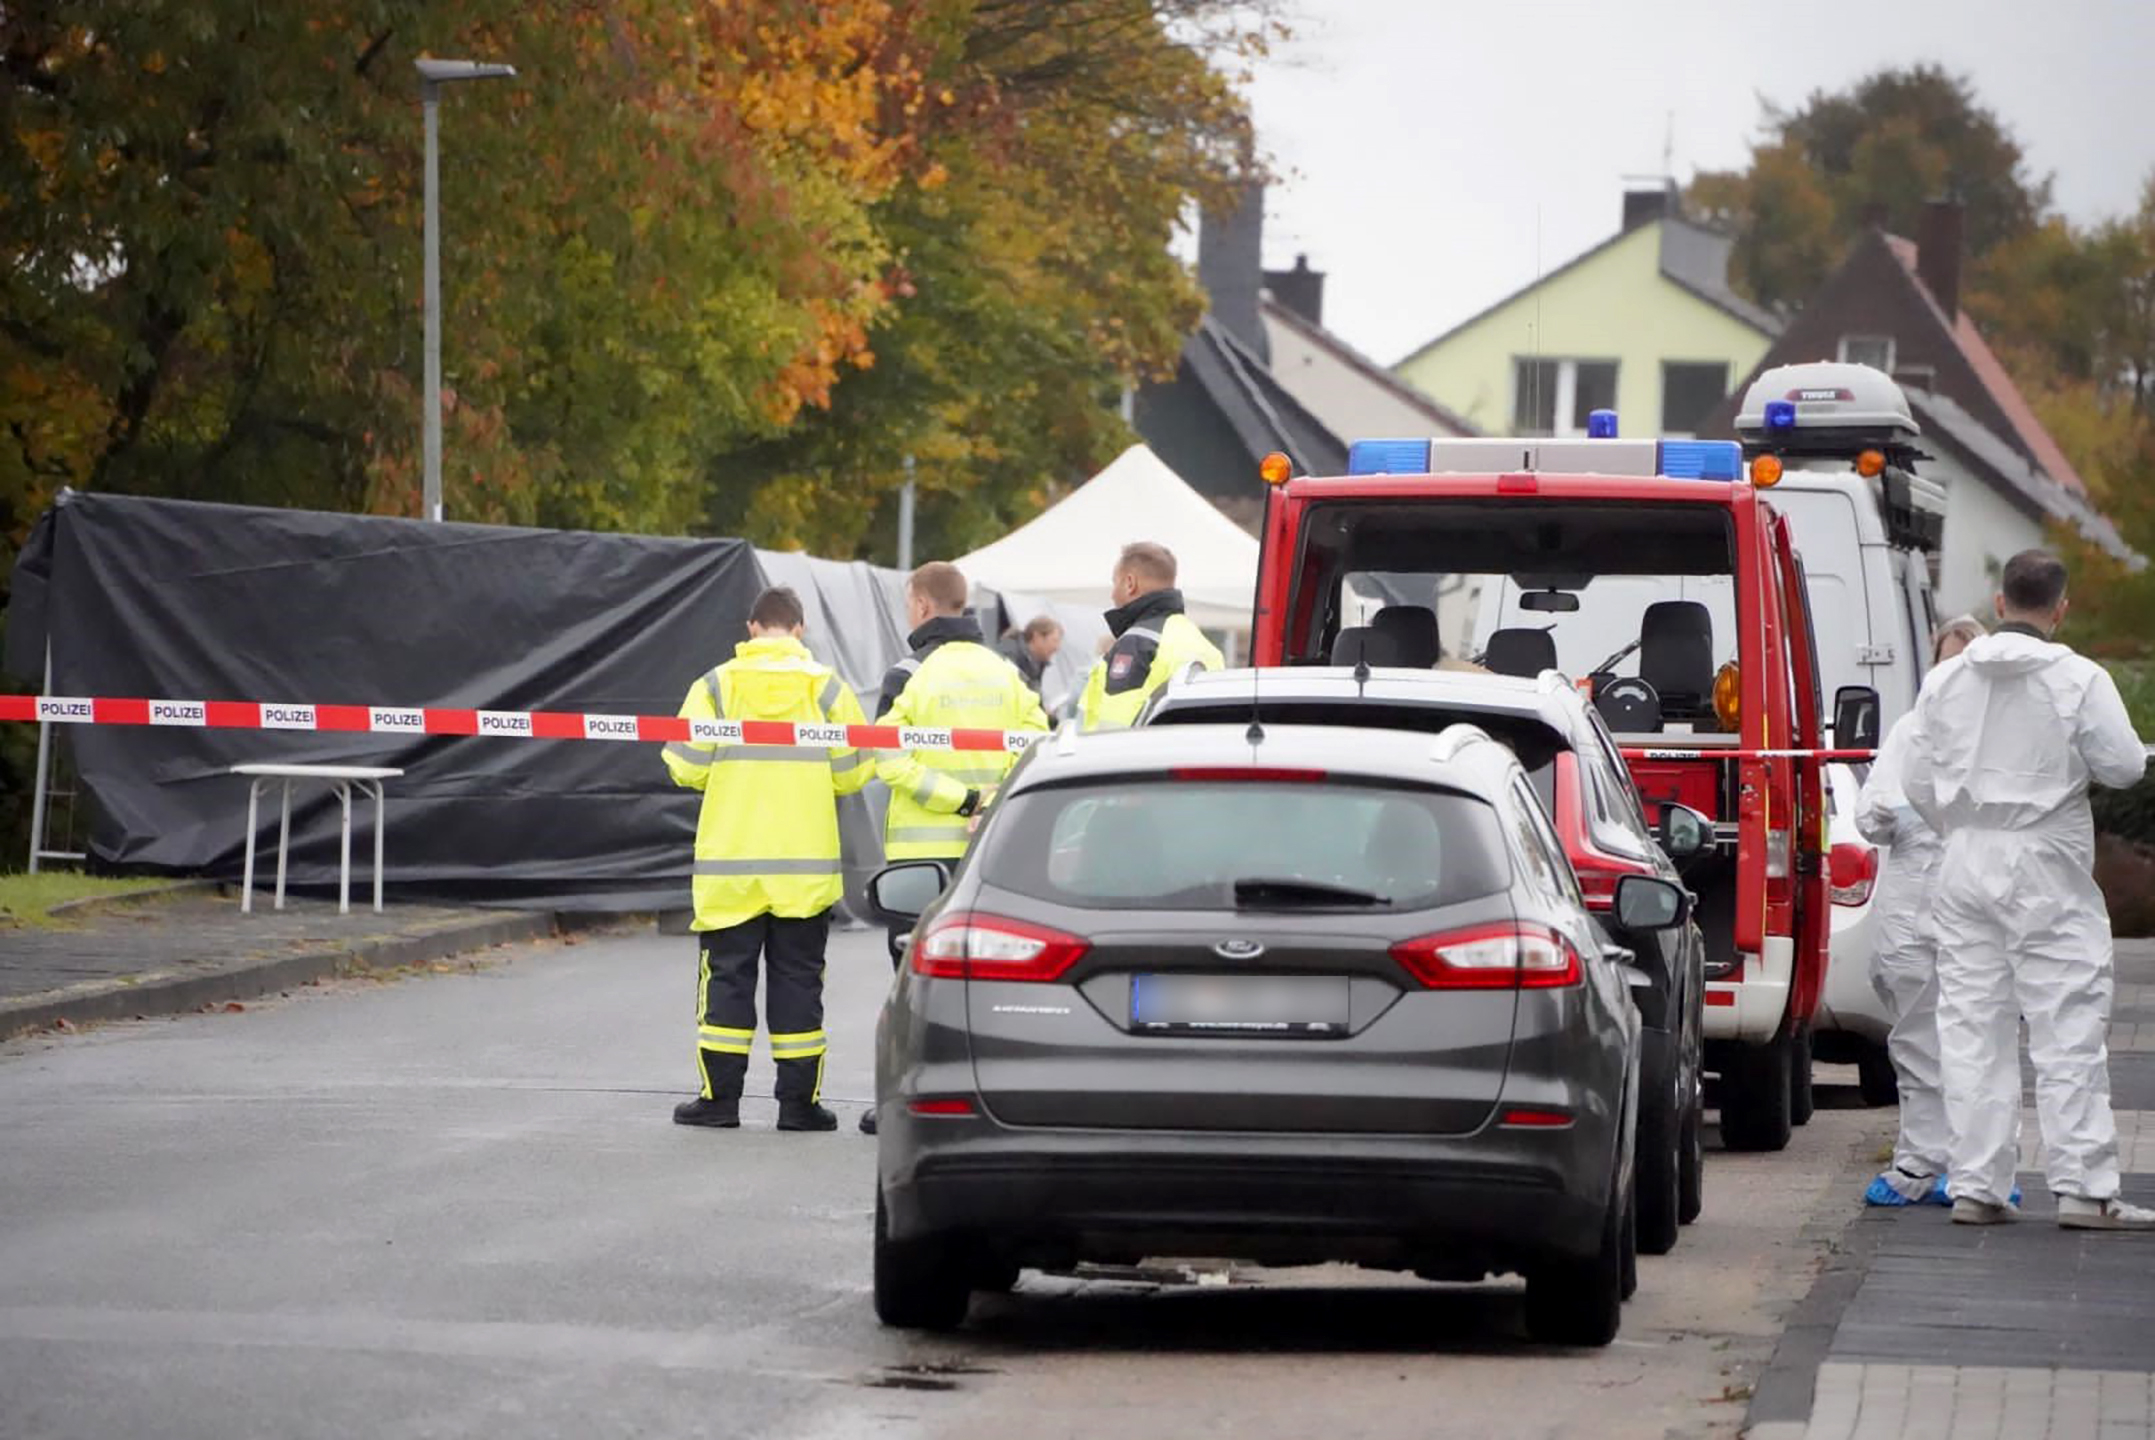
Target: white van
<point x="1842" y="448"/>
<point x="1865" y="526"/>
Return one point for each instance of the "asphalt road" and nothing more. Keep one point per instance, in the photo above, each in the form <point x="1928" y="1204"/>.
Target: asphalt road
<point x="454" y="1205"/>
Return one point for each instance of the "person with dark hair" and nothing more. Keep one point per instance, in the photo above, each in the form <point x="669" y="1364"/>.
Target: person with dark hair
<point x="1154" y="639"/>
<point x="1904" y="968"/>
<point x="767" y="864"/>
<point x="2007" y="737"/>
<point x="1032" y="648"/>
<point x="953" y="681"/>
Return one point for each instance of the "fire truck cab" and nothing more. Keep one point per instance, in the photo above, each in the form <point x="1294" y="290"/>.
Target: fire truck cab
<point x="1654" y="576"/>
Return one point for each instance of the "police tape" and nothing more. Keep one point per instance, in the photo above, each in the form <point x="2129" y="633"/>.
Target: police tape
<point x="1846" y="757"/>
<point x="581" y="725"/>
<point x="501" y="724"/>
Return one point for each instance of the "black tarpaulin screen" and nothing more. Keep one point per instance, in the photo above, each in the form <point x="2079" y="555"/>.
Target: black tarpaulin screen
<point x="151" y="598"/>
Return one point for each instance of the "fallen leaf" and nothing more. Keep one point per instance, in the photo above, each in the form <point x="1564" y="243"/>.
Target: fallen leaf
<point x="63" y="1024"/>
<point x="233" y="1007"/>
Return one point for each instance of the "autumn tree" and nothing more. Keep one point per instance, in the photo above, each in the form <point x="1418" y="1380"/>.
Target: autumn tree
<point x="1870" y="155"/>
<point x="1032" y="280"/>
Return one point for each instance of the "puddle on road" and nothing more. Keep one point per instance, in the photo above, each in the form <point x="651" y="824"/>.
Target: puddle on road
<point x="933" y="1375"/>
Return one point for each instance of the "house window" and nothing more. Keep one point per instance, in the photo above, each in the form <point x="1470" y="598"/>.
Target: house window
<point x="1875" y="351"/>
<point x="1554" y="397"/>
<point x="1689" y="392"/>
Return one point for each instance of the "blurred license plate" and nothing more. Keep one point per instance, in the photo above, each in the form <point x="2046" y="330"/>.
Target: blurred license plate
<point x="1244" y="1004"/>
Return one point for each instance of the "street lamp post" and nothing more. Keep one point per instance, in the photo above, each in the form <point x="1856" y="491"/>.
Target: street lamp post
<point x="433" y="74"/>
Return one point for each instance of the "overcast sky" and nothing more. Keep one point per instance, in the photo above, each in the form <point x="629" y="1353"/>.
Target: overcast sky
<point x="1426" y="143"/>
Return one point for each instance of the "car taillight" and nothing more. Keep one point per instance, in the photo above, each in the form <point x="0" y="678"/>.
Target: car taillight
<point x="1597" y="881"/>
<point x="1492" y="957"/>
<point x="988" y="947"/>
<point x="1851" y="871"/>
<point x="1599" y="888"/>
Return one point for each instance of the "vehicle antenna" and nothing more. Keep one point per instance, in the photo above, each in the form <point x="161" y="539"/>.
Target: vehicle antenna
<point x="1534" y="341"/>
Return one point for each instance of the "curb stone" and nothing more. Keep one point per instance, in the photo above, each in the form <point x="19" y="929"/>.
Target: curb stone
<point x="1780" y="1407"/>
<point x="160" y="993"/>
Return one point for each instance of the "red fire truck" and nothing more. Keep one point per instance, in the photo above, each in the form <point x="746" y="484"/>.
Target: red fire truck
<point x="1658" y="577"/>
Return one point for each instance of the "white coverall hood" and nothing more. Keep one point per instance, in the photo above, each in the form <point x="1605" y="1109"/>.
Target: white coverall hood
<point x="2006" y="739"/>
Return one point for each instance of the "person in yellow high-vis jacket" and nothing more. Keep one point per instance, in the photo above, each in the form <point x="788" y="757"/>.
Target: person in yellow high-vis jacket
<point x="952" y="680"/>
<point x="1154" y="640"/>
<point x="767" y="866"/>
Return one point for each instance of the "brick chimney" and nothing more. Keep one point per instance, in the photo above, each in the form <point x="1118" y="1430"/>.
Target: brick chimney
<point x="1300" y="289"/>
<point x="1643" y="207"/>
<point x="1938" y="253"/>
<point x="1230" y="266"/>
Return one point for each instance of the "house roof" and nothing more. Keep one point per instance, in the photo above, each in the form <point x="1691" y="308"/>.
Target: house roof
<point x="1692" y="258"/>
<point x="1696" y="258"/>
<point x="1255" y="405"/>
<point x="1440" y="416"/>
<point x="1945" y="421"/>
<point x="1991" y="374"/>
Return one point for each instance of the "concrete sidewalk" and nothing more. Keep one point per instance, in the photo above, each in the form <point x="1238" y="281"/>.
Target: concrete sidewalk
<point x="1921" y="1328"/>
<point x="171" y="953"/>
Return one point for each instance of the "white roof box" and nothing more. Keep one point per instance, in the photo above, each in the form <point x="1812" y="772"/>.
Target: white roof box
<point x="1810" y="407"/>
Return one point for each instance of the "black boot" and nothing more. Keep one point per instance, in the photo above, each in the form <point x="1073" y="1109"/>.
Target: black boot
<point x="712" y="1114"/>
<point x="805" y="1115"/>
<point x="868" y="1122"/>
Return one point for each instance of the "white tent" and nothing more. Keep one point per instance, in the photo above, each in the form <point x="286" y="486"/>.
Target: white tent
<point x="1066" y="555"/>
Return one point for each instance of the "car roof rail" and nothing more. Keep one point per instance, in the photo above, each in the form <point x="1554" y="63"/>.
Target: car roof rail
<point x="1454" y="738"/>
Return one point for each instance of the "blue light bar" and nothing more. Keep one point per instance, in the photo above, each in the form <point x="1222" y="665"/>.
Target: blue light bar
<point x="1702" y="459"/>
<point x="1780" y="415"/>
<point x="1388" y="457"/>
<point x="1601" y="425"/>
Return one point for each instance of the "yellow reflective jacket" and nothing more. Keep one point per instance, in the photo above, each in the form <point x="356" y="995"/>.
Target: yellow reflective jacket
<point x="1154" y="641"/>
<point x="952" y="680"/>
<point x="767" y="837"/>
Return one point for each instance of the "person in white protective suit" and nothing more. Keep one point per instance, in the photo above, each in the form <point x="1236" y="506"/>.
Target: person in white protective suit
<point x="2007" y="738"/>
<point x="1904" y="971"/>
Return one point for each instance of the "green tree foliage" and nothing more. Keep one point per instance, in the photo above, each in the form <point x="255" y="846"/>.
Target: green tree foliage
<point x="1870" y="155"/>
<point x="2069" y="308"/>
<point x="687" y="232"/>
<point x="1033" y="281"/>
<point x="657" y="244"/>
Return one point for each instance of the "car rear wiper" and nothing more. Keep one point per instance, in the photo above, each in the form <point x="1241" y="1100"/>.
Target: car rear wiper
<point x="1259" y="891"/>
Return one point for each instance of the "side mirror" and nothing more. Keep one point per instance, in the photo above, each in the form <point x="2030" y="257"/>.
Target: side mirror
<point x="898" y="894"/>
<point x="1647" y="902"/>
<point x="1683" y="832"/>
<point x="1855" y="718"/>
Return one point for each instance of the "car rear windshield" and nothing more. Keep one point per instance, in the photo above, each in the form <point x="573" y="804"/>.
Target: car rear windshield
<point x="1534" y="742"/>
<point x="1191" y="844"/>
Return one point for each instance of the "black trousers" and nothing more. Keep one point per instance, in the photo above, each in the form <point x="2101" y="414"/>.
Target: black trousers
<point x="792" y="954"/>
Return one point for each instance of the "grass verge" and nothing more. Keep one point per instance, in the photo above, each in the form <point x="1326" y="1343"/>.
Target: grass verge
<point x="27" y="899"/>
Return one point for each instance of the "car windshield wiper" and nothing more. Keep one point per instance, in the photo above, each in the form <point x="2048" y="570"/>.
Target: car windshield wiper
<point x="1259" y="890"/>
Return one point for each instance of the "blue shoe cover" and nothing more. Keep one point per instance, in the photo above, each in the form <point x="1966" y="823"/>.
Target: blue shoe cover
<point x="1940" y="1197"/>
<point x="1880" y="1193"/>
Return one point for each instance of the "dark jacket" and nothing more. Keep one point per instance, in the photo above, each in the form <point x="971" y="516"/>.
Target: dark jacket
<point x="1014" y="649"/>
